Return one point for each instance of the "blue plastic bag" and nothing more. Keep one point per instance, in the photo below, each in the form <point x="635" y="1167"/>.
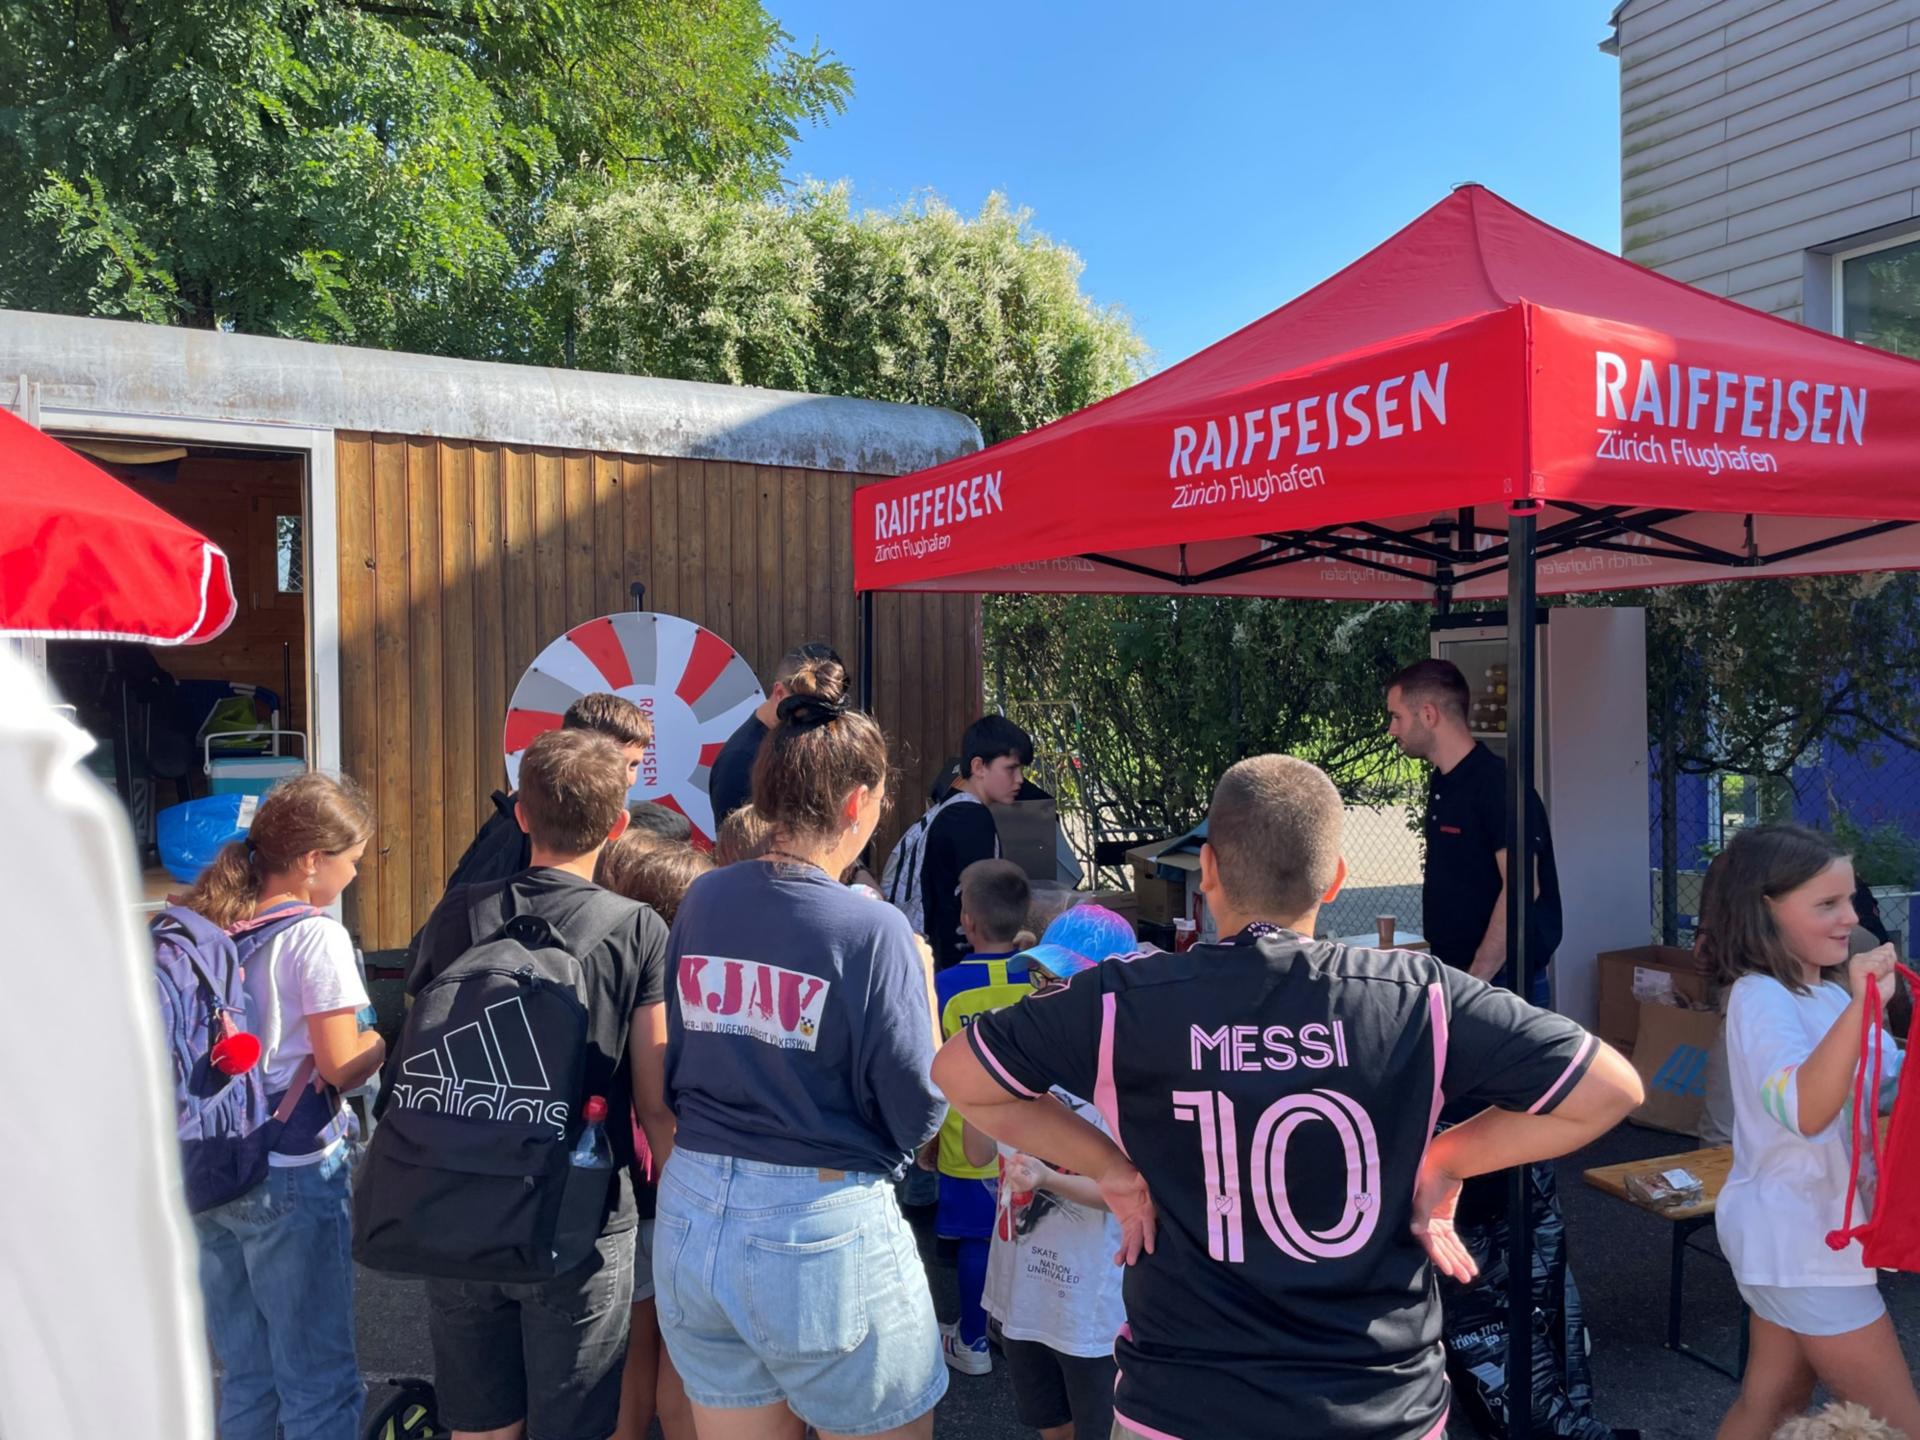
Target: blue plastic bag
<point x="190" y="835"/>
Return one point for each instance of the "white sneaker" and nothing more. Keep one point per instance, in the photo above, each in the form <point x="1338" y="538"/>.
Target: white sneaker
<point x="967" y="1359"/>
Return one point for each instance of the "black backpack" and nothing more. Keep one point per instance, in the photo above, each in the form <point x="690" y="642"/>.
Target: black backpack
<point x="467" y="1176"/>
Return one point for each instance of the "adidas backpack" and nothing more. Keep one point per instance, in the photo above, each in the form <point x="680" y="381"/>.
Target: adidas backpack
<point x="227" y="1128"/>
<point x="467" y="1176"/>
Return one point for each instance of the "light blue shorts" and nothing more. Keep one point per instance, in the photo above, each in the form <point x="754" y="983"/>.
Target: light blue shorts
<point x="774" y="1283"/>
<point x="1816" y="1309"/>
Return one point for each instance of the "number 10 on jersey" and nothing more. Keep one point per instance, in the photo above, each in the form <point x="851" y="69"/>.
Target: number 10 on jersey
<point x="1213" y="1112"/>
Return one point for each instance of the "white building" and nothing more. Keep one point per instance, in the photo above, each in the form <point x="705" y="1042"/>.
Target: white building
<point x="1770" y="152"/>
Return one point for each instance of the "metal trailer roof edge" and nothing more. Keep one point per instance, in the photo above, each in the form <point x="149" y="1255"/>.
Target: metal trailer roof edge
<point x="123" y="367"/>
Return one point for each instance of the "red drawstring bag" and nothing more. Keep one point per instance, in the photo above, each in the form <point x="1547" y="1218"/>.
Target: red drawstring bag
<point x="1890" y="1236"/>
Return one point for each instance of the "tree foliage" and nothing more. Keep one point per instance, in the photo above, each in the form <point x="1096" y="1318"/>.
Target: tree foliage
<point x="1155" y="696"/>
<point x="921" y="304"/>
<point x="374" y="170"/>
<point x="1750" y="676"/>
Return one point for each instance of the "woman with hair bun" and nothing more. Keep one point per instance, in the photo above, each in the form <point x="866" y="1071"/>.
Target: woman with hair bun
<point x="800" y="1035"/>
<point x="276" y="1268"/>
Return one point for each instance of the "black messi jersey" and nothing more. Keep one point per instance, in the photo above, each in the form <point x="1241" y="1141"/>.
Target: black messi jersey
<point x="1278" y="1093"/>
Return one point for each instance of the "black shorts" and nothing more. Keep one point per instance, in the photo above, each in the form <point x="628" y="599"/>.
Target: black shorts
<point x="550" y="1353"/>
<point x="1052" y="1389"/>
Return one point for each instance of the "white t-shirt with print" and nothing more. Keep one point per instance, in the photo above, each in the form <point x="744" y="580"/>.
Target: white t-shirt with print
<point x="1786" y="1190"/>
<point x="308" y="969"/>
<point x="1050" y="1272"/>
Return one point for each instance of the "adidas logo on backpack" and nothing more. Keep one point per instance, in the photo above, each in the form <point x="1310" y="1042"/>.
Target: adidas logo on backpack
<point x="467" y="1176"/>
<point x="227" y="1128"/>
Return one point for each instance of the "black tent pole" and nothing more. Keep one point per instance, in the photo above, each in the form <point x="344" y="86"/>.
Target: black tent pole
<point x="1522" y="710"/>
<point x="866" y="651"/>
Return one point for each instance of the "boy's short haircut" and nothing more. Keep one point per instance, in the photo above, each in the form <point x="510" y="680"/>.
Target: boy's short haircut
<point x="659" y="823"/>
<point x="654" y="873"/>
<point x="1438" y="683"/>
<point x="613" y="716"/>
<point x="995" y="893"/>
<point x="1275" y="831"/>
<point x="743" y="836"/>
<point x="573" y="790"/>
<point x="990" y="737"/>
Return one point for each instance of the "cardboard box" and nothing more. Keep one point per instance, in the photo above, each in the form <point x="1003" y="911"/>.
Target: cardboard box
<point x="1670" y="1052"/>
<point x="1662" y="965"/>
<point x="1168" y="884"/>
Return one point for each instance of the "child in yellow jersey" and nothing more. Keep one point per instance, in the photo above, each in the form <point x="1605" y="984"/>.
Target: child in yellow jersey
<point x="994" y="896"/>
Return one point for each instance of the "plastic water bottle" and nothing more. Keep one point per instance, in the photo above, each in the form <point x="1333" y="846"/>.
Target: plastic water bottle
<point x="591" y="1151"/>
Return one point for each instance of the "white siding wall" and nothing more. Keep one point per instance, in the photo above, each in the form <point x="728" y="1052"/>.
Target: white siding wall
<point x="1755" y="131"/>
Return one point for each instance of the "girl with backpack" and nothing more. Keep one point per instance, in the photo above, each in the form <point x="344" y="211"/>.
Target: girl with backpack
<point x="276" y="1270"/>
<point x="800" y="1032"/>
<point x="1780" y="916"/>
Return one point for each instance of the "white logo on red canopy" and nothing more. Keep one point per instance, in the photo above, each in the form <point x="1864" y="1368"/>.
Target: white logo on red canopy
<point x="695" y="685"/>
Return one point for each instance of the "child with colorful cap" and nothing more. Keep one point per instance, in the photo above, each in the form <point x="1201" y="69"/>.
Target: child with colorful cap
<point x="1052" y="1287"/>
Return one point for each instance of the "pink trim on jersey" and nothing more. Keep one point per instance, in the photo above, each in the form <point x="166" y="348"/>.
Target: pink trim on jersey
<point x="1439" y="1430"/>
<point x="1437" y="1015"/>
<point x="1105" y="1098"/>
<point x="1437" y="1021"/>
<point x="1146" y="1430"/>
<point x="1553" y="1090"/>
<point x="1000" y="1071"/>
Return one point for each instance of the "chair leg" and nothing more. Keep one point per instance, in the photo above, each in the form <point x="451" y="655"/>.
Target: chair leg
<point x="1676" y="1286"/>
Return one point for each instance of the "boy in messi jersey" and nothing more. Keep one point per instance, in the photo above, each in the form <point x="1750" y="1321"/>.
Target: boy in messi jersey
<point x="994" y="896"/>
<point x="1277" y="1095"/>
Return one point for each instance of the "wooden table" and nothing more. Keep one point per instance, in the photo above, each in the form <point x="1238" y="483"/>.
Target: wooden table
<point x="1711" y="1166"/>
<point x="1402" y="940"/>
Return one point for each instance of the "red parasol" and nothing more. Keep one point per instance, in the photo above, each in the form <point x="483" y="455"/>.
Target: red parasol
<point x="82" y="557"/>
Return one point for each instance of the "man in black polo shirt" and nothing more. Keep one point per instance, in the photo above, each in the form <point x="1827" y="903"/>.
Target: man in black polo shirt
<point x="1463" y="897"/>
<point x="1277" y="1095"/>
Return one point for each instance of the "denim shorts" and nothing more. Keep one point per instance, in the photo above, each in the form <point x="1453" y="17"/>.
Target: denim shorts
<point x="782" y="1283"/>
<point x="549" y="1353"/>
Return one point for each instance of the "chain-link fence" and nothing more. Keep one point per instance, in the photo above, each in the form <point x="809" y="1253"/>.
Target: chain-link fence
<point x="1867" y="796"/>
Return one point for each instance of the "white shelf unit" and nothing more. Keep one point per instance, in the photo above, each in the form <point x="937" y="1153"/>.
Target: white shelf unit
<point x="1590" y="769"/>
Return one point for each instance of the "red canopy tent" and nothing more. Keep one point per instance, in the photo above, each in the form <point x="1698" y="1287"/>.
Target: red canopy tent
<point x="1366" y="441"/>
<point x="1481" y="404"/>
<point x="84" y="558"/>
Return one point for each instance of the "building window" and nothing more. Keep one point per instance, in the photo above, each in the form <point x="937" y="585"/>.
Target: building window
<point x="1877" y="295"/>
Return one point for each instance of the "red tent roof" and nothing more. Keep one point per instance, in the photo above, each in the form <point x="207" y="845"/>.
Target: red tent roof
<point x="1477" y="357"/>
<point x="82" y="557"/>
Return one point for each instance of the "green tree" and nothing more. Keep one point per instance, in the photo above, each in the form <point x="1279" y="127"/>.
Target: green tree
<point x="1154" y="696"/>
<point x="374" y="170"/>
<point x="1750" y="677"/>
<point x="920" y="304"/>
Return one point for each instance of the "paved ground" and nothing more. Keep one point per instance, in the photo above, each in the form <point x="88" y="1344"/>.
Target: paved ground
<point x="1619" y="1256"/>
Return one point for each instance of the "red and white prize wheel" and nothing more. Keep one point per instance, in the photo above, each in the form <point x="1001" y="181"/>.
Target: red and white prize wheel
<point x="694" y="684"/>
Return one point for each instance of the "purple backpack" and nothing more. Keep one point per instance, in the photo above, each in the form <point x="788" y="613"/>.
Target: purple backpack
<point x="227" y="1126"/>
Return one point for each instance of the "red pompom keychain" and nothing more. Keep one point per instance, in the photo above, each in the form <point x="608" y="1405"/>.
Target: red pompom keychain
<point x="235" y="1052"/>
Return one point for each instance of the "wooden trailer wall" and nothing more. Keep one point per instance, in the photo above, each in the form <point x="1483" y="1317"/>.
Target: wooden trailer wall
<point x="461" y="560"/>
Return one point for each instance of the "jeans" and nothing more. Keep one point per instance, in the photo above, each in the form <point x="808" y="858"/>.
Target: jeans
<point x="276" y="1271"/>
<point x="778" y="1282"/>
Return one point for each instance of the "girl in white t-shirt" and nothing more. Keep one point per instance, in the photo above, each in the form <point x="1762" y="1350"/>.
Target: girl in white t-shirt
<point x="1052" y="1288"/>
<point x="1780" y="917"/>
<point x="276" y="1267"/>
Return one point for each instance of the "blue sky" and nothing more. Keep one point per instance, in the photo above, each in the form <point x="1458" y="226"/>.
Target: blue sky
<point x="1209" y="161"/>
